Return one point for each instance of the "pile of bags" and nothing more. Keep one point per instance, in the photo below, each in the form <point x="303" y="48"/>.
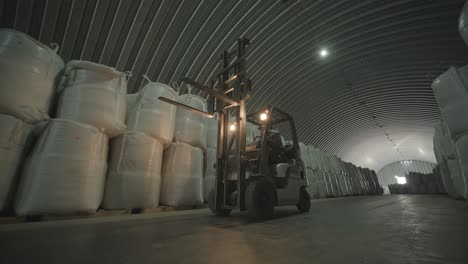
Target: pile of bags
<point x="329" y="176"/>
<point x="451" y="134"/>
<point x="65" y="172"/>
<point x="136" y="157"/>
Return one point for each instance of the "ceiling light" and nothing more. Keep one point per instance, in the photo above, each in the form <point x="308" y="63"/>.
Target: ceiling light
<point x="323" y="53"/>
<point x="263" y="116"/>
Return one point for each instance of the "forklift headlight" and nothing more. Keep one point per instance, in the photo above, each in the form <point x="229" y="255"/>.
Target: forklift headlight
<point x="232" y="127"/>
<point x="263" y="116"/>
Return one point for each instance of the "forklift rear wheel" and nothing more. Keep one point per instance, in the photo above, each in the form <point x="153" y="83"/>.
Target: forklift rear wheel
<point x="304" y="201"/>
<point x="211" y="204"/>
<point x="260" y="199"/>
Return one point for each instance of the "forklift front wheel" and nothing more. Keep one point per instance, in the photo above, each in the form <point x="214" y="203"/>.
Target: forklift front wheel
<point x="211" y="204"/>
<point x="304" y="201"/>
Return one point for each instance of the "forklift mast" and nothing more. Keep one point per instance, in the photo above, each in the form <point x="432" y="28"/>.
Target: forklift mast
<point x="229" y="91"/>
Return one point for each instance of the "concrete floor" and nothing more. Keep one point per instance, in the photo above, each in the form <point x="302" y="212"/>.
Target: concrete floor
<point x="379" y="229"/>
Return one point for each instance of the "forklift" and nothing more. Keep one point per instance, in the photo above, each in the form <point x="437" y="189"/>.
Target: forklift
<point x="250" y="176"/>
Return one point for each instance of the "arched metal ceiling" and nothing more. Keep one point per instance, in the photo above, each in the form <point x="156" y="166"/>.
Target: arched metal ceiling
<point x="369" y="102"/>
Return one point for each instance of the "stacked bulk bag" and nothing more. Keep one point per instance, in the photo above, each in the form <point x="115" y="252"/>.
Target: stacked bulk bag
<point x="134" y="174"/>
<point x="461" y="148"/>
<point x="324" y="180"/>
<point x="182" y="175"/>
<point x="447" y="179"/>
<point x="335" y="191"/>
<point x="29" y="71"/>
<point x="304" y="151"/>
<point x="211" y="133"/>
<point x="209" y="172"/>
<point x="65" y="172"/>
<point x="94" y="94"/>
<point x="153" y="116"/>
<point x="341" y="181"/>
<point x="305" y="155"/>
<point x="190" y="128"/>
<point x="253" y="132"/>
<point x="209" y="175"/>
<point x="13" y="137"/>
<point x="449" y="157"/>
<point x="131" y="102"/>
<point x="451" y="91"/>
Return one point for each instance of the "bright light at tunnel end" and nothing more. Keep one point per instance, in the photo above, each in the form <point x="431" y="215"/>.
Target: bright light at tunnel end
<point x="400" y="180"/>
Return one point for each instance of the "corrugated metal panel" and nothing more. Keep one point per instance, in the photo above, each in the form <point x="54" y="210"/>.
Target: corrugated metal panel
<point x="369" y="102"/>
<point x="387" y="174"/>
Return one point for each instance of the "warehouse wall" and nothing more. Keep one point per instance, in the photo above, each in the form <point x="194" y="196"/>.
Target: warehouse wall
<point x="387" y="174"/>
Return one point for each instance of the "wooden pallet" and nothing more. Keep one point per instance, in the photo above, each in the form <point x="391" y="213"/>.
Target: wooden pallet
<point x="91" y="214"/>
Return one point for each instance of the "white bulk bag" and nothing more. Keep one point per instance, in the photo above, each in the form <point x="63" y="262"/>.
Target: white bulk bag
<point x="13" y="136"/>
<point x="461" y="147"/>
<point x="443" y="144"/>
<point x="134" y="174"/>
<point x="65" y="172"/>
<point x="131" y="102"/>
<point x="211" y="133"/>
<point x="94" y="94"/>
<point x="29" y="71"/>
<point x="305" y="155"/>
<point x="182" y="176"/>
<point x="252" y="133"/>
<point x="321" y="160"/>
<point x="209" y="173"/>
<point x="190" y="128"/>
<point x="447" y="180"/>
<point x="451" y="91"/>
<point x="313" y="157"/>
<point x="153" y="116"/>
<point x="458" y="181"/>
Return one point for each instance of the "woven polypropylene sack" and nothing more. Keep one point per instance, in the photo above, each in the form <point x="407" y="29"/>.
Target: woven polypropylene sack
<point x="305" y="155"/>
<point x="182" y="176"/>
<point x="209" y="174"/>
<point x="153" y="116"/>
<point x="461" y="147"/>
<point x="211" y="133"/>
<point x="94" y="94"/>
<point x="29" y="72"/>
<point x="131" y="102"/>
<point x="451" y="92"/>
<point x="190" y="128"/>
<point x="134" y="174"/>
<point x="447" y="180"/>
<point x="65" y="172"/>
<point x="13" y="136"/>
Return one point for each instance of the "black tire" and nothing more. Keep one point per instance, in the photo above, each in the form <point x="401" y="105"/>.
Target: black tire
<point x="211" y="205"/>
<point x="304" y="201"/>
<point x="260" y="199"/>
